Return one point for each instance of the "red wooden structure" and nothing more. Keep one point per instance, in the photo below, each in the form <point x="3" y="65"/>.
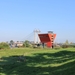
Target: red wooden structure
<point x="47" y="38"/>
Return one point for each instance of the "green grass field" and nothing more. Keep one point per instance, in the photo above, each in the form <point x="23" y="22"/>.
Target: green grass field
<point x="37" y="61"/>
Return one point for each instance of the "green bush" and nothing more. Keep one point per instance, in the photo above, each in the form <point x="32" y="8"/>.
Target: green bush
<point x="27" y="44"/>
<point x="4" y="45"/>
<point x="68" y="46"/>
<point x="57" y="47"/>
<point x="64" y="46"/>
<point x="72" y="45"/>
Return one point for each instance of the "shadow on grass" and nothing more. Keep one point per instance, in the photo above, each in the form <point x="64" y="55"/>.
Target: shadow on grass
<point x="60" y="63"/>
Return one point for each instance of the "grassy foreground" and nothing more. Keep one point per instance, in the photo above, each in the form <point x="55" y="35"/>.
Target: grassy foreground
<point x="37" y="62"/>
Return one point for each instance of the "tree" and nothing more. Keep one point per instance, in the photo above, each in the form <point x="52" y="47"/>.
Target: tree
<point x="4" y="45"/>
<point x="11" y="42"/>
<point x="26" y="44"/>
<point x="66" y="42"/>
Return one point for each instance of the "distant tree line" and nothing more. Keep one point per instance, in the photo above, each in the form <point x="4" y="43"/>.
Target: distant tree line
<point x="29" y="44"/>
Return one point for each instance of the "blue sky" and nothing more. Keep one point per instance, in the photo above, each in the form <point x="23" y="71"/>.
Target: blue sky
<point x="18" y="18"/>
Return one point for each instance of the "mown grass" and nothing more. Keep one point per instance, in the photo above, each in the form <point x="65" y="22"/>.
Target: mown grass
<point x="37" y="61"/>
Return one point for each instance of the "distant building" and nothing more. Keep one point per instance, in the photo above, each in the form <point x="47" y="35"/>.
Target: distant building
<point x="17" y="44"/>
<point x="47" y="38"/>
